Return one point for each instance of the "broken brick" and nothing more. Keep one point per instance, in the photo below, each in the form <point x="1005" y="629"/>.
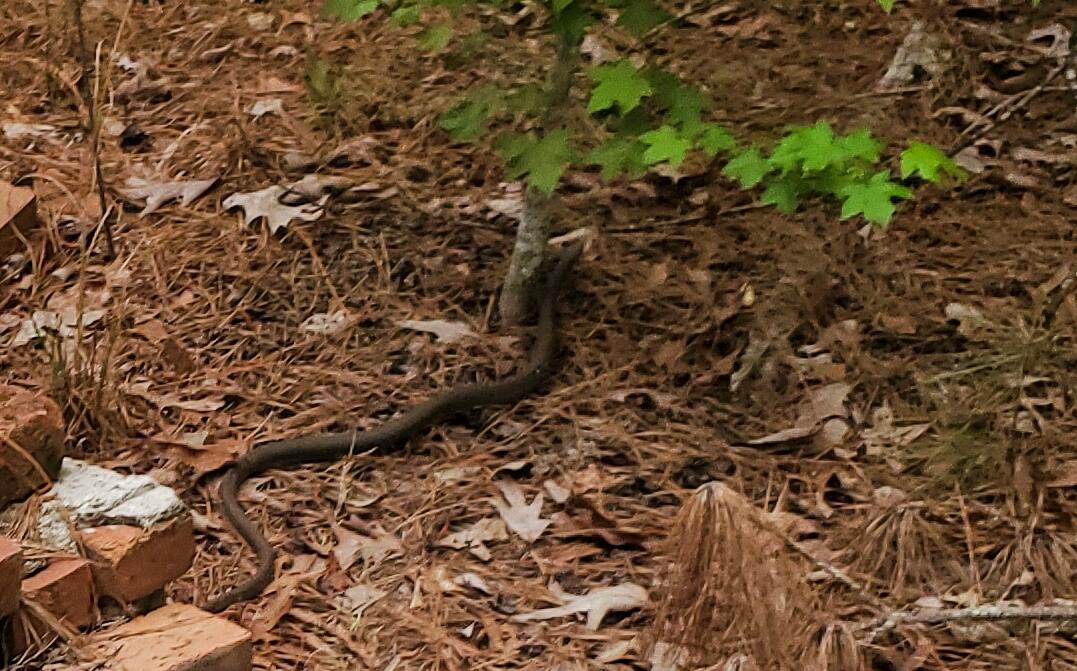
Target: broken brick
<point x="130" y="563"/>
<point x="18" y="217"/>
<point x="31" y="442"/>
<point x="10" y="576"/>
<point x="178" y="637"/>
<point x="65" y="589"/>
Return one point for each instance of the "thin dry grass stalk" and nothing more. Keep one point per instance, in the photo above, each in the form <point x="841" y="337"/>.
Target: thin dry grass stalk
<point x="903" y="550"/>
<point x="730" y="587"/>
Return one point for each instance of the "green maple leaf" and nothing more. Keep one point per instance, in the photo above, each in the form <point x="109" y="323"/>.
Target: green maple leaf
<point x="887" y="5"/>
<point x="469" y="117"/>
<point x="748" y="167"/>
<point x="637" y="122"/>
<point x="833" y="180"/>
<point x="713" y="139"/>
<point x="617" y="86"/>
<point x="619" y="155"/>
<point x="684" y="104"/>
<point x="348" y="10"/>
<point x="860" y="144"/>
<point x="543" y="160"/>
<point x="558" y="6"/>
<point x="435" y="37"/>
<point x="784" y="193"/>
<point x="873" y="198"/>
<point x="640" y="16"/>
<point x="406" y="15"/>
<point x="454" y="6"/>
<point x="929" y="161"/>
<point x="809" y="149"/>
<point x="465" y="121"/>
<point x="665" y="144"/>
<point x="526" y="98"/>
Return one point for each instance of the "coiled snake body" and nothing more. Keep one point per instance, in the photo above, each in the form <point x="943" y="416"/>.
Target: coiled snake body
<point x="334" y="446"/>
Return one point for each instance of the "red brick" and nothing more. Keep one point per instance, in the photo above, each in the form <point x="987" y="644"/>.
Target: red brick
<point x="18" y="210"/>
<point x="178" y="637"/>
<point x="10" y="576"/>
<point x="65" y="589"/>
<point x="33" y="422"/>
<point x="130" y="562"/>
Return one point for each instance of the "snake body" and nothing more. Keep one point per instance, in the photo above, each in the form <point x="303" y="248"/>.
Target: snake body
<point x="334" y="446"/>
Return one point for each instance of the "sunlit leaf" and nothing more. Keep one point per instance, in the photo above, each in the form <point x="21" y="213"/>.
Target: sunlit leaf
<point x="618" y="86"/>
<point x="348" y="10"/>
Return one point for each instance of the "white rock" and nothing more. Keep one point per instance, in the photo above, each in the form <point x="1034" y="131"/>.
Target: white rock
<point x="93" y="495"/>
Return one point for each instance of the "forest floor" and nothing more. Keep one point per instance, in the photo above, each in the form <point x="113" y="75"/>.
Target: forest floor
<point x="945" y="474"/>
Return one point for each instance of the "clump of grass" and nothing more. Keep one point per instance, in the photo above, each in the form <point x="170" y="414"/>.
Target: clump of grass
<point x="731" y="588"/>
<point x="902" y="548"/>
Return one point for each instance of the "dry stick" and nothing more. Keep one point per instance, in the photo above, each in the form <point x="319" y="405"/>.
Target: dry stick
<point x="985" y="612"/>
<point x="968" y="136"/>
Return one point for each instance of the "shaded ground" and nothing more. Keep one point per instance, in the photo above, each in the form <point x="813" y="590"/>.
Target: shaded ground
<point x="955" y="479"/>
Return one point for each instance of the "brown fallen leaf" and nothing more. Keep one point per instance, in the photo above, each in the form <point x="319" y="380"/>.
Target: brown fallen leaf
<point x="823" y="403"/>
<point x="524" y="519"/>
<point x="475" y="537"/>
<point x="379" y="547"/>
<point x="303" y="568"/>
<point x="585" y="518"/>
<point x="192" y="450"/>
<point x="349" y="546"/>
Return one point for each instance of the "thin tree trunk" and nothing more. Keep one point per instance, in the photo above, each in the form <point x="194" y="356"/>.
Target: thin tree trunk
<point x="534" y="229"/>
<point x="531" y="237"/>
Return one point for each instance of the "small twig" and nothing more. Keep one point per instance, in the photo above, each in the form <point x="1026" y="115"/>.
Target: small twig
<point x="985" y="612"/>
<point x="1006" y="110"/>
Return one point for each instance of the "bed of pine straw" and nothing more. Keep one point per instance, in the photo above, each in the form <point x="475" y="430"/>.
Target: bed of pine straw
<point x="202" y="334"/>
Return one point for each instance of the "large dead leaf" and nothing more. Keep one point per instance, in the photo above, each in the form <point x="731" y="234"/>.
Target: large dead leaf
<point x="596" y="603"/>
<point x="883" y="435"/>
<point x="266" y="204"/>
<point x="172" y="400"/>
<point x="191" y="449"/>
<point x="326" y="323"/>
<point x="445" y="331"/>
<point x="64" y="322"/>
<point x="585" y="518"/>
<point x="360" y="597"/>
<point x="823" y="403"/>
<point x="349" y="545"/>
<point x="155" y="194"/>
<point x="475" y="536"/>
<point x="379" y="547"/>
<point x="524" y="519"/>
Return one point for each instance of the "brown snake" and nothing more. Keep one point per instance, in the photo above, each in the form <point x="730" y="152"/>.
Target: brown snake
<point x="333" y="446"/>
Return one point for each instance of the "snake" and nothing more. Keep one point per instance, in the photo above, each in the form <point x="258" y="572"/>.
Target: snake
<point x="330" y="447"/>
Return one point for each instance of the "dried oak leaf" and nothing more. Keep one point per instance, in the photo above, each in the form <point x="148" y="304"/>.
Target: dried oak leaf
<point x="475" y="536"/>
<point x="266" y="204"/>
<point x="524" y="519"/>
<point x="155" y="194"/>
